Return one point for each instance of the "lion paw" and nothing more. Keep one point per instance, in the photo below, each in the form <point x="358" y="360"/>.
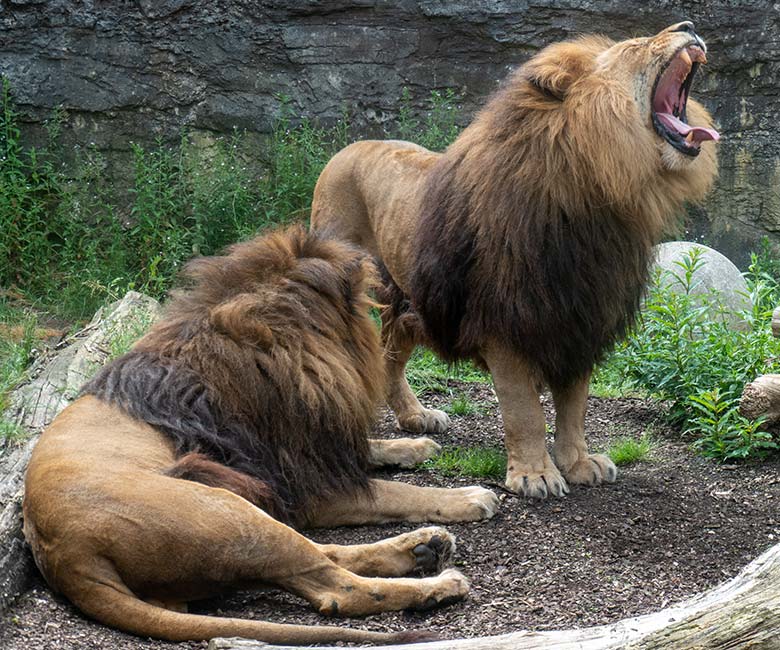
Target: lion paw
<point x="594" y="469"/>
<point x="418" y="450"/>
<point x="477" y="503"/>
<point x="537" y="485"/>
<point x="425" y="421"/>
<point x="434" y="549"/>
<point x="448" y="587"/>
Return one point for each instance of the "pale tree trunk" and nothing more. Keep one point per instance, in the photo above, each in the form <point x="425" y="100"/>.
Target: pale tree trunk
<point x="53" y="382"/>
<point x="741" y="614"/>
<point x="761" y="398"/>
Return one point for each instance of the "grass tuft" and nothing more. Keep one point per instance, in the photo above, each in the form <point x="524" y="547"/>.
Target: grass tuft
<point x="474" y="462"/>
<point x="627" y="450"/>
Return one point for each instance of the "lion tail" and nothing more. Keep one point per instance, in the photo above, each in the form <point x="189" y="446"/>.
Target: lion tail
<point x="200" y="468"/>
<point x="113" y="604"/>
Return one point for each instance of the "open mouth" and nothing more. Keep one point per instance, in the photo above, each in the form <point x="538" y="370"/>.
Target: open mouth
<point x="670" y="96"/>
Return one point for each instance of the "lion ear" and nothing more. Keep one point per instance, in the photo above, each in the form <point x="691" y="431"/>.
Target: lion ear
<point x="236" y="319"/>
<point x="558" y="66"/>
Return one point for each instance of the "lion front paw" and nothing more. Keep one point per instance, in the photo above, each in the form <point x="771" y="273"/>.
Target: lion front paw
<point x="434" y="549"/>
<point x="593" y="469"/>
<point x="418" y="451"/>
<point x="536" y="484"/>
<point x="425" y="421"/>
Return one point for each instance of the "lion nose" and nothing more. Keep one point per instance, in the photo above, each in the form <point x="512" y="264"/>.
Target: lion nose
<point x="687" y="27"/>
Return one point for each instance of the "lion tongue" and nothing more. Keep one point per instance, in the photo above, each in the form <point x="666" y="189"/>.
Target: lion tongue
<point x="694" y="134"/>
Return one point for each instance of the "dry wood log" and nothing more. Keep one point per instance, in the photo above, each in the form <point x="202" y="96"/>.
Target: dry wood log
<point x="53" y="382"/>
<point x="742" y="613"/>
<point x="776" y="322"/>
<point x="761" y="397"/>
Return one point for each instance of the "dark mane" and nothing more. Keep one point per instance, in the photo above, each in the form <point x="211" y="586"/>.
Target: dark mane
<point x="269" y="364"/>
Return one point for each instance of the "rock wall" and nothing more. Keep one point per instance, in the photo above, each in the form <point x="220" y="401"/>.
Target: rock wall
<point x="139" y="70"/>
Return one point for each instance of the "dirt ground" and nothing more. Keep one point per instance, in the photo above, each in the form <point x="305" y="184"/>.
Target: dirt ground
<point x="670" y="527"/>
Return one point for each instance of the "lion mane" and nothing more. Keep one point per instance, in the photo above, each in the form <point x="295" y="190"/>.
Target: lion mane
<point x="538" y="230"/>
<point x="265" y="373"/>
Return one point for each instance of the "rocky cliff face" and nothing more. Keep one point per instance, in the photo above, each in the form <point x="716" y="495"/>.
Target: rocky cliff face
<point x="138" y="70"/>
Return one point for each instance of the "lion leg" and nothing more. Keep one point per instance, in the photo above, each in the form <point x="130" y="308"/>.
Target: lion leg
<point x="425" y="550"/>
<point x="570" y="450"/>
<point x="388" y="501"/>
<point x="403" y="452"/>
<point x="530" y="469"/>
<point x="401" y="332"/>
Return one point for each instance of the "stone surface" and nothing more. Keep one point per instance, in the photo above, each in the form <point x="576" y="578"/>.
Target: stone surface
<point x="716" y="277"/>
<point x="54" y="382"/>
<point x="138" y="70"/>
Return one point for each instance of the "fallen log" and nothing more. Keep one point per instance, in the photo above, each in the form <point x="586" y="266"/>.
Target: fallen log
<point x="53" y="382"/>
<point x="776" y="322"/>
<point x="761" y="398"/>
<point x="742" y="613"/>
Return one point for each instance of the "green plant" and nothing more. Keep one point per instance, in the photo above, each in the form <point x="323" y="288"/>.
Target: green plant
<point x="461" y="405"/>
<point x="10" y="432"/>
<point x="438" y="129"/>
<point x="627" y="450"/>
<point x="475" y="462"/>
<point x="425" y="372"/>
<point x="15" y="351"/>
<point x="723" y="433"/>
<point x="685" y="352"/>
<point x="126" y="334"/>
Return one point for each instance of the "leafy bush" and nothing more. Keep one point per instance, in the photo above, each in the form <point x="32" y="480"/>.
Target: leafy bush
<point x="683" y="351"/>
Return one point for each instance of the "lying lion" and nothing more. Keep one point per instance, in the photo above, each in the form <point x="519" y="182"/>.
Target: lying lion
<point x="526" y="245"/>
<point x="246" y="406"/>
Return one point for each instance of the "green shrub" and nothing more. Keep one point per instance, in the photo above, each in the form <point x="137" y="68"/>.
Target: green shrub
<point x="683" y="352"/>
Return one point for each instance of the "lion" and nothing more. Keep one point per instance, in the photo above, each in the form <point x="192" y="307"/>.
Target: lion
<point x="183" y="466"/>
<point x="526" y="245"/>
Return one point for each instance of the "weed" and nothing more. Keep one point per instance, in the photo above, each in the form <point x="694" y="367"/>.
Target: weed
<point x="475" y="462"/>
<point x="723" y="433"/>
<point x="126" y="334"/>
<point x="15" y="355"/>
<point x="627" y="450"/>
<point x="461" y="405"/>
<point x="10" y="432"/>
<point x="438" y="129"/>
<point x="425" y="372"/>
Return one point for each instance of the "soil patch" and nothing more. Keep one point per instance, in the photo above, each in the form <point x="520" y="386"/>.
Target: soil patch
<point x="670" y="527"/>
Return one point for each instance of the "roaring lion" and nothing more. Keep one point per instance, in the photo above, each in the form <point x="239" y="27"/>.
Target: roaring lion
<point x="175" y="473"/>
<point x="526" y="245"/>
